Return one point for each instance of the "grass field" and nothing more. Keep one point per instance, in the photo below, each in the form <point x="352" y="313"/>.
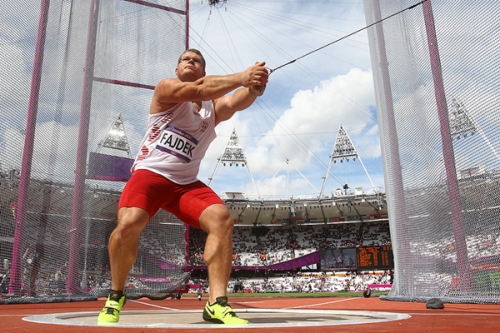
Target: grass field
<point x="309" y="295"/>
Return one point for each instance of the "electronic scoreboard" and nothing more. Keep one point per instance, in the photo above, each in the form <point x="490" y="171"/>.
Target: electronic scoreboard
<point x="375" y="257"/>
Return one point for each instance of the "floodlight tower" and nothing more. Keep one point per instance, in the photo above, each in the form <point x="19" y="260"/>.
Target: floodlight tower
<point x="233" y="155"/>
<point x="216" y="3"/>
<point x="462" y="124"/>
<point x="343" y="150"/>
<point x="116" y="139"/>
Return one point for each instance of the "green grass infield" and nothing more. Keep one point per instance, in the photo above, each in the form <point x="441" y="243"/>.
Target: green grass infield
<point x="308" y="295"/>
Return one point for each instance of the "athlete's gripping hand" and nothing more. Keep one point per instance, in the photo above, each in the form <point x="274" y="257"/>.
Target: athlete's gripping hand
<point x="256" y="75"/>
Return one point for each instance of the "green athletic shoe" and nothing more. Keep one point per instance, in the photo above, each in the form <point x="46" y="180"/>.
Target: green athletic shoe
<point x="220" y="312"/>
<point x="110" y="314"/>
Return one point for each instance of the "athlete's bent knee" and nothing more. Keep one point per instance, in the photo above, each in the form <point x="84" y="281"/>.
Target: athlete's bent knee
<point x="131" y="222"/>
<point x="216" y="217"/>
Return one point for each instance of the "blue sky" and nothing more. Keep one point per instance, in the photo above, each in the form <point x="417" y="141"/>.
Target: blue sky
<point x="305" y="102"/>
<point x="287" y="135"/>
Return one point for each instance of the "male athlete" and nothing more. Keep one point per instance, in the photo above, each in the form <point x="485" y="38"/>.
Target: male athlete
<point x="183" y="114"/>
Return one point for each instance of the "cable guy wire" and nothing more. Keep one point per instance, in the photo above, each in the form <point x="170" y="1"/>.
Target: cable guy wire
<point x="346" y="36"/>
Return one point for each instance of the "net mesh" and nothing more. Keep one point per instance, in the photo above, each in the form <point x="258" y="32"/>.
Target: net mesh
<point x="436" y="73"/>
<point x="77" y="78"/>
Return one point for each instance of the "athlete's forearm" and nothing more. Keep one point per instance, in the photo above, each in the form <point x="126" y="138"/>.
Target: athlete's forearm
<point x="213" y="87"/>
<point x="241" y="99"/>
<point x="204" y="89"/>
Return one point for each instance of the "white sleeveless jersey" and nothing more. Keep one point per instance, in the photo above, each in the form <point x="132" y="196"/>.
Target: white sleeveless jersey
<point x="176" y="141"/>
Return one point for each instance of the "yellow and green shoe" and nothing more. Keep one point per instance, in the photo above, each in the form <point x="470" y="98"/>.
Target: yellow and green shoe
<point x="110" y="314"/>
<point x="220" y="312"/>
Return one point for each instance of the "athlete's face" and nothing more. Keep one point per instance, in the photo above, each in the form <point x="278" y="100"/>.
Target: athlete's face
<point x="190" y="67"/>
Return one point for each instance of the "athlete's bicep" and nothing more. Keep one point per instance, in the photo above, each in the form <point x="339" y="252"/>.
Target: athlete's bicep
<point x="223" y="109"/>
<point x="174" y="91"/>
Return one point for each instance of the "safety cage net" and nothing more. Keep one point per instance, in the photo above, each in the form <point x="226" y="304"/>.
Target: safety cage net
<point x="77" y="78"/>
<point x="437" y="73"/>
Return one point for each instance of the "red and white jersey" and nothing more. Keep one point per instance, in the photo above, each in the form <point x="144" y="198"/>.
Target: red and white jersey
<point x="176" y="141"/>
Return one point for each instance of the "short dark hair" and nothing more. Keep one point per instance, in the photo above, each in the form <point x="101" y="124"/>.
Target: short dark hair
<point x="194" y="51"/>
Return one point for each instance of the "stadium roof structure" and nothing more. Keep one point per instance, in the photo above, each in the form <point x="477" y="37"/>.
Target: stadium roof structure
<point x="341" y="207"/>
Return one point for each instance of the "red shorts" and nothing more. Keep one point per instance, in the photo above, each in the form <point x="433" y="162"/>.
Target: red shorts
<point x="151" y="191"/>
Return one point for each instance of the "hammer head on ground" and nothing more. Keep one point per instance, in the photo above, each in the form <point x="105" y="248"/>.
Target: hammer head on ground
<point x="434" y="303"/>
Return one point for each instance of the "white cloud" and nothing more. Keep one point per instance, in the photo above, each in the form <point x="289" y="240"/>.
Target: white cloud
<point x="306" y="131"/>
<point x="297" y="119"/>
<point x="320" y="110"/>
<point x="14" y="80"/>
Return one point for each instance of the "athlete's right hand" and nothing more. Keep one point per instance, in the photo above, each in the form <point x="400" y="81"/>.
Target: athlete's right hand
<point x="256" y="75"/>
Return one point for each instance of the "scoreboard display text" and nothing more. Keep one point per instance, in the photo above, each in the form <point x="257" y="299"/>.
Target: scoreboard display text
<point x="375" y="257"/>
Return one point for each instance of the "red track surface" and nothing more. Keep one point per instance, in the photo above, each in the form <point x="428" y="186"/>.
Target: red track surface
<point x="462" y="318"/>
